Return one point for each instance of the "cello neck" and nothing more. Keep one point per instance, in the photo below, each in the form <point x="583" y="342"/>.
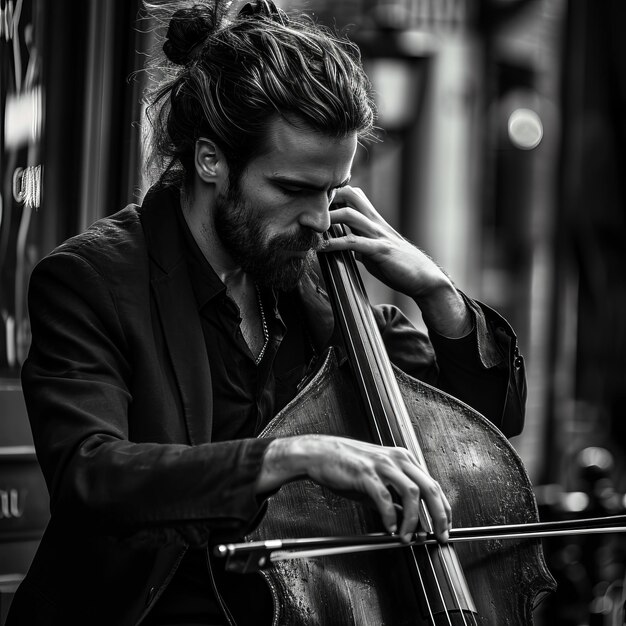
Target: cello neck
<point x="389" y="419"/>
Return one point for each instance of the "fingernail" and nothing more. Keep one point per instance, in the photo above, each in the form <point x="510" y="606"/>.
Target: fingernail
<point x="445" y="536"/>
<point x="393" y="529"/>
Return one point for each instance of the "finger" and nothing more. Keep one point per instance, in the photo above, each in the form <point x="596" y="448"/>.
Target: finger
<point x="438" y="507"/>
<point x="380" y="496"/>
<point x="356" y="198"/>
<point x="436" y="502"/>
<point x="441" y="519"/>
<point x="358" y="223"/>
<point x="357" y="243"/>
<point x="409" y="492"/>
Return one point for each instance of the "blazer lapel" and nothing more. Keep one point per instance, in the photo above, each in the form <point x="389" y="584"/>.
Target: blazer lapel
<point x="178" y="311"/>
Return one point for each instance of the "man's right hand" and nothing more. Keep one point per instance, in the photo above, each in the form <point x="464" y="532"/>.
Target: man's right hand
<point x="352" y="467"/>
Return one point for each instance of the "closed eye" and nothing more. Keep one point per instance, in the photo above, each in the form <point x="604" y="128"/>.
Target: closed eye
<point x="297" y="188"/>
<point x="292" y="189"/>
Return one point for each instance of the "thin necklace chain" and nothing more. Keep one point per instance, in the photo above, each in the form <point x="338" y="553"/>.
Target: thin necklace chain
<point x="266" y="334"/>
<point x="185" y="203"/>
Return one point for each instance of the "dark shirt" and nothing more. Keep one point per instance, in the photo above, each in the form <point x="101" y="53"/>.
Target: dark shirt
<point x="245" y="395"/>
<point x="245" y="398"/>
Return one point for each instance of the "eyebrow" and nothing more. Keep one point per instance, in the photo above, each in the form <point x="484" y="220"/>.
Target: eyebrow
<point x="296" y="182"/>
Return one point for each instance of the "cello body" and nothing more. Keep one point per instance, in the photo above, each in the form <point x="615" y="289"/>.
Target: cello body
<point x="483" y="478"/>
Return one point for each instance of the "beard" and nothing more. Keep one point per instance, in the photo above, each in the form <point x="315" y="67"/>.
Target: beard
<point x="269" y="260"/>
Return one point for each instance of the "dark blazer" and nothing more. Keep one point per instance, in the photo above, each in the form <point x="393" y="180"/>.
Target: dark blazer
<point x="118" y="391"/>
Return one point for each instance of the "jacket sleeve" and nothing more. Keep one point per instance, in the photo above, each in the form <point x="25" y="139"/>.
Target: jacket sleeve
<point x="78" y="385"/>
<point x="483" y="369"/>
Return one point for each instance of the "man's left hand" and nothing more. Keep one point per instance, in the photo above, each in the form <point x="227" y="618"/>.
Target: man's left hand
<point x="399" y="264"/>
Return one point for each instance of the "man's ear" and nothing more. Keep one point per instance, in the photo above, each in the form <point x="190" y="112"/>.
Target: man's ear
<point x="209" y="161"/>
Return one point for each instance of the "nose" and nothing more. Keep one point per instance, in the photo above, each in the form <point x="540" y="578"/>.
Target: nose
<point x="315" y="215"/>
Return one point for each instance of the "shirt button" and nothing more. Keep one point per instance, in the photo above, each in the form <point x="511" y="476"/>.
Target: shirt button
<point x="150" y="595"/>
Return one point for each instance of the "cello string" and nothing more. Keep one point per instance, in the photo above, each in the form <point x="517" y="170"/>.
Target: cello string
<point x="371" y="408"/>
<point x="443" y="549"/>
<point x="349" y="338"/>
<point x="439" y="590"/>
<point x="364" y="311"/>
<point x="335" y="275"/>
<point x="471" y="614"/>
<point x="432" y="567"/>
<point x="458" y="593"/>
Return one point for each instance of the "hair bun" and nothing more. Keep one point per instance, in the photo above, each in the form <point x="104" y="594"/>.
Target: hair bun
<point x="265" y="9"/>
<point x="187" y="28"/>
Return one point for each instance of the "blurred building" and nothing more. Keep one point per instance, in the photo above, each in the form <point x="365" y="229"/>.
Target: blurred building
<point x="504" y="130"/>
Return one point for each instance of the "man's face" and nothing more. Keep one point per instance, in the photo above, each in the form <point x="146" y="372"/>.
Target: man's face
<point x="271" y="219"/>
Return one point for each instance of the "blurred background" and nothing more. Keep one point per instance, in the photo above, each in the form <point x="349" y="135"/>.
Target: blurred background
<point x="503" y="158"/>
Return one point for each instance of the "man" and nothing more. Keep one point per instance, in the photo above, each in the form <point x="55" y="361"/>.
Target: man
<point x="167" y="336"/>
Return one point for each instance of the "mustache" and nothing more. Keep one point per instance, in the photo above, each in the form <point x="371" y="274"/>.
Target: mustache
<point x="304" y="239"/>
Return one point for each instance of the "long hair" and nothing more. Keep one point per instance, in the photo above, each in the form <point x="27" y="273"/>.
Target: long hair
<point x="226" y="76"/>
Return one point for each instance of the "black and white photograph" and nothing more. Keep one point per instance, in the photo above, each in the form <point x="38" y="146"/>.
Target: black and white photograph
<point x="312" y="313"/>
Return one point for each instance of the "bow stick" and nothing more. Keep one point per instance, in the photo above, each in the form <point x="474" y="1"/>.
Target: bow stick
<point x="256" y="555"/>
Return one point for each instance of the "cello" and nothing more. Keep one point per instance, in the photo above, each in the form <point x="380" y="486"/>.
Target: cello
<point x="356" y="392"/>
